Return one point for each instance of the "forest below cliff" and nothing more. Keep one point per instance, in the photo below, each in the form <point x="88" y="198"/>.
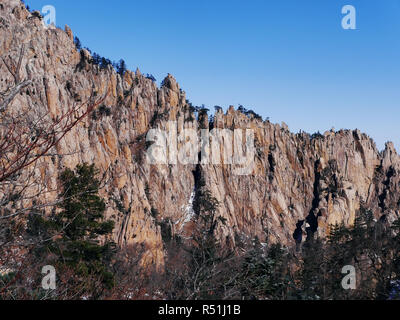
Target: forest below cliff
<point x="84" y="213"/>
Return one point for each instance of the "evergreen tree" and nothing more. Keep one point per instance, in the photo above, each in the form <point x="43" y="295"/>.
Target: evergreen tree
<point x="104" y="63"/>
<point x="121" y="67"/>
<point x="96" y="59"/>
<point x="312" y="274"/>
<point x="265" y="273"/>
<point x="75" y="231"/>
<point x="77" y="43"/>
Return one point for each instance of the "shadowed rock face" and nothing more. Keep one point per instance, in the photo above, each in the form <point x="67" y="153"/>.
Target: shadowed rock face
<point x="296" y="178"/>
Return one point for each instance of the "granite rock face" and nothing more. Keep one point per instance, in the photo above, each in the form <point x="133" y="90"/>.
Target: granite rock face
<point x="320" y="180"/>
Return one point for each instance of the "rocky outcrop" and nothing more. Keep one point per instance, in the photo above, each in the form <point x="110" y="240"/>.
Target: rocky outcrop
<point x="314" y="181"/>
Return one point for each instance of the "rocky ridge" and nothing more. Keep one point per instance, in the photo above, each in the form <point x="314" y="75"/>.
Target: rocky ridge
<point x="321" y="180"/>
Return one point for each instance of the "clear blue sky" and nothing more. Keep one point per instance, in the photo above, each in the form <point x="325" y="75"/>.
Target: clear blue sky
<point x="289" y="60"/>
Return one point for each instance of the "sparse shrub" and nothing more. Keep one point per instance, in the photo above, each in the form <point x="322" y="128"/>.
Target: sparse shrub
<point x="151" y="77"/>
<point x="317" y="135"/>
<point x="120" y="67"/>
<point x="154" y="213"/>
<point x="78" y="44"/>
<point x="104" y="110"/>
<point x="249" y="112"/>
<point x="217" y="108"/>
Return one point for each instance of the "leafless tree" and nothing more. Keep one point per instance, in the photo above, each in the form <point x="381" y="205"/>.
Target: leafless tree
<point x="9" y="94"/>
<point x="28" y="135"/>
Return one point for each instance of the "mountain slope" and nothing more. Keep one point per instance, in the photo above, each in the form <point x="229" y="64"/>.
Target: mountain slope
<point x="321" y="179"/>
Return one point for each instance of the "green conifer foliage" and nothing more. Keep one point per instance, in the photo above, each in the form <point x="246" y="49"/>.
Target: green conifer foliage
<point x="77" y="236"/>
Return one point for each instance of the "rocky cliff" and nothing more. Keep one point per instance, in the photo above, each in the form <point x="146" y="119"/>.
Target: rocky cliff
<point x="298" y="180"/>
